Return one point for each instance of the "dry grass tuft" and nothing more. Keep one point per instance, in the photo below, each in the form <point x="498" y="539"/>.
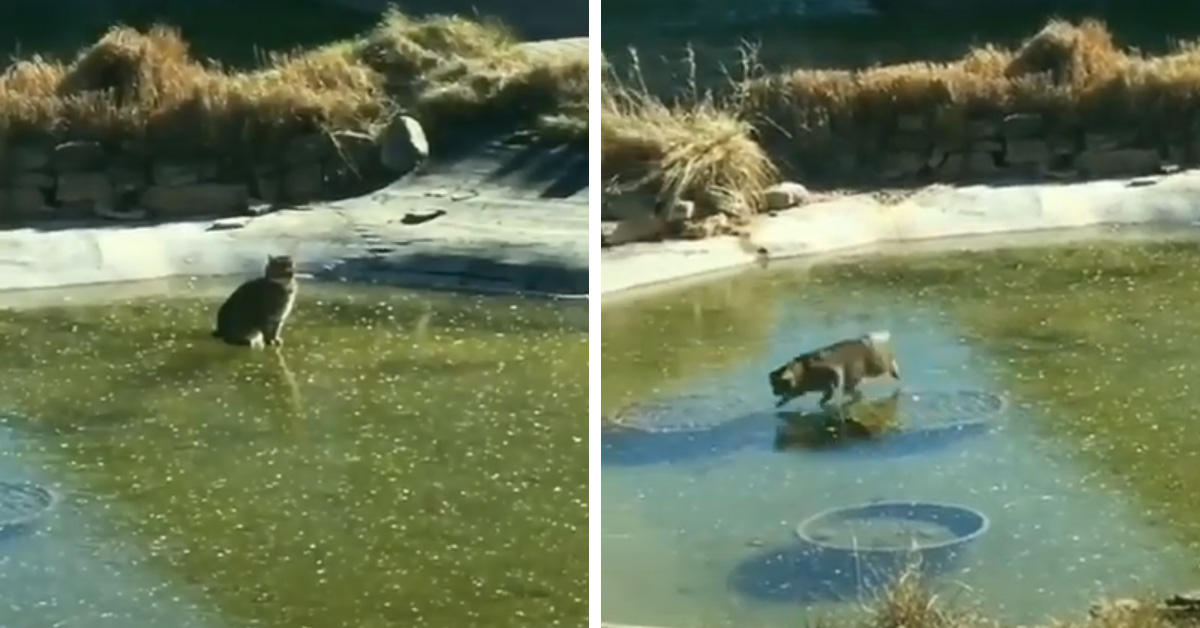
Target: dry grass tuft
<point x="405" y="48"/>
<point x="133" y="86"/>
<point x="508" y="85"/>
<point x="452" y="70"/>
<point x="908" y="603"/>
<point x="1068" y="53"/>
<point x="700" y="149"/>
<point x="145" y="87"/>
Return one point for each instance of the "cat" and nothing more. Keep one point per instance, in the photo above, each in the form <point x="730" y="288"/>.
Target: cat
<point x="836" y="368"/>
<point x="256" y="311"/>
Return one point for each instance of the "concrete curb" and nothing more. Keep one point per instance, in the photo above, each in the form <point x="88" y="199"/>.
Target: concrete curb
<point x="939" y="217"/>
<point x="32" y="259"/>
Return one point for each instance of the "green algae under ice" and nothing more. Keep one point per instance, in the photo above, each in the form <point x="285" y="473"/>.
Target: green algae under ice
<point x="404" y="460"/>
<point x="1085" y="473"/>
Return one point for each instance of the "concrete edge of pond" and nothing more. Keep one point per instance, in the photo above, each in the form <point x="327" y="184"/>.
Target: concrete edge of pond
<point x="937" y="218"/>
<point x="488" y="244"/>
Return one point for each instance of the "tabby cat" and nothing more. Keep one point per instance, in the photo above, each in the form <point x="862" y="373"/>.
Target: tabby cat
<point x="255" y="313"/>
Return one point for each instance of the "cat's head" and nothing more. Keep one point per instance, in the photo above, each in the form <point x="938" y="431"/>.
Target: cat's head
<point x="280" y="268"/>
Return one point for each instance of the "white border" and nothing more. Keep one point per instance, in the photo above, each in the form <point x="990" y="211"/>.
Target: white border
<point x="594" y="185"/>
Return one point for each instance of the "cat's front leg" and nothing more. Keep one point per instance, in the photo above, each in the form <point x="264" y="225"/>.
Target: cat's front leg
<point x="272" y="335"/>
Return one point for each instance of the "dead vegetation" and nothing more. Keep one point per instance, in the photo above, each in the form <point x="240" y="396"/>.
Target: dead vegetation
<point x="699" y="147"/>
<point x="1073" y="74"/>
<point x="145" y="88"/>
<point x="909" y="603"/>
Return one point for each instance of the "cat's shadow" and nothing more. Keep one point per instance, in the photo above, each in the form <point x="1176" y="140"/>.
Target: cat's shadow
<point x="831" y="428"/>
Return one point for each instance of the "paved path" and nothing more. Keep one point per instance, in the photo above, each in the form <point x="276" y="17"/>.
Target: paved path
<point x="516" y="220"/>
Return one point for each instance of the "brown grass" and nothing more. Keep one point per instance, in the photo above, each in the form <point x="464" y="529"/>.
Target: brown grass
<point x="909" y="603"/>
<point x="145" y="87"/>
<point x="698" y="148"/>
<point x="1072" y="73"/>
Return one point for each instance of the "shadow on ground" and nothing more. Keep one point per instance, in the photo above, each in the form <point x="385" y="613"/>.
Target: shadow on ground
<point x="462" y="272"/>
<point x="544" y="170"/>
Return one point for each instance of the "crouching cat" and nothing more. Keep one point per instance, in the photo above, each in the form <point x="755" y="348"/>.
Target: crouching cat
<point x="836" y="368"/>
<point x="255" y="313"/>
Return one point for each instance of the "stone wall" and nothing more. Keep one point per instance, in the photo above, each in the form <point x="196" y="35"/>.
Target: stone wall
<point x="1019" y="145"/>
<point x="46" y="180"/>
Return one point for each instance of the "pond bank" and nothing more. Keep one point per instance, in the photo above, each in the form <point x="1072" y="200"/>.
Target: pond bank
<point x="939" y="217"/>
<point x="499" y="234"/>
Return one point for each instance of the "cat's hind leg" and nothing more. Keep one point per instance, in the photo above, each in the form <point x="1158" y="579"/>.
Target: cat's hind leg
<point x="253" y="340"/>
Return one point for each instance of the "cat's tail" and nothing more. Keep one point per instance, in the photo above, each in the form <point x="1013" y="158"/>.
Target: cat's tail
<point x="877" y="337"/>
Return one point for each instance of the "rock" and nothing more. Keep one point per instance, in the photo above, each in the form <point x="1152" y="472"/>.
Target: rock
<point x="715" y="225"/>
<point x="307" y="149"/>
<point x="172" y="173"/>
<point x="785" y="195"/>
<point x="1120" y="162"/>
<point x="33" y="179"/>
<point x="199" y="199"/>
<point x="260" y="209"/>
<point x="1061" y="166"/>
<point x="1026" y="152"/>
<point x="87" y="187"/>
<point x="22" y="203"/>
<point x="1101" y="141"/>
<point x="268" y="185"/>
<point x="641" y="229"/>
<point x="681" y="211"/>
<point x="359" y="149"/>
<point x="903" y="165"/>
<point x="1188" y="599"/>
<point x="402" y="146"/>
<point x="844" y="164"/>
<point x="76" y="209"/>
<point x="303" y="183"/>
<point x="1022" y="126"/>
<point x="354" y="157"/>
<point x="125" y="178"/>
<point x="627" y="204"/>
<point x="228" y="224"/>
<point x="26" y="157"/>
<point x="109" y="213"/>
<point x="77" y="156"/>
<point x="912" y="123"/>
<point x="983" y="129"/>
<point x="1111" y="607"/>
<point x="911" y="142"/>
<point x="988" y="145"/>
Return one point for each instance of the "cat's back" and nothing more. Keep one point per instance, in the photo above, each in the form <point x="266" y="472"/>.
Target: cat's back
<point x="258" y="294"/>
<point x="267" y="293"/>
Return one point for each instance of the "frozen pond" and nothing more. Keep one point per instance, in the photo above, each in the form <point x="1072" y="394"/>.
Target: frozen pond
<point x="1084" y="473"/>
<point x="406" y="459"/>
